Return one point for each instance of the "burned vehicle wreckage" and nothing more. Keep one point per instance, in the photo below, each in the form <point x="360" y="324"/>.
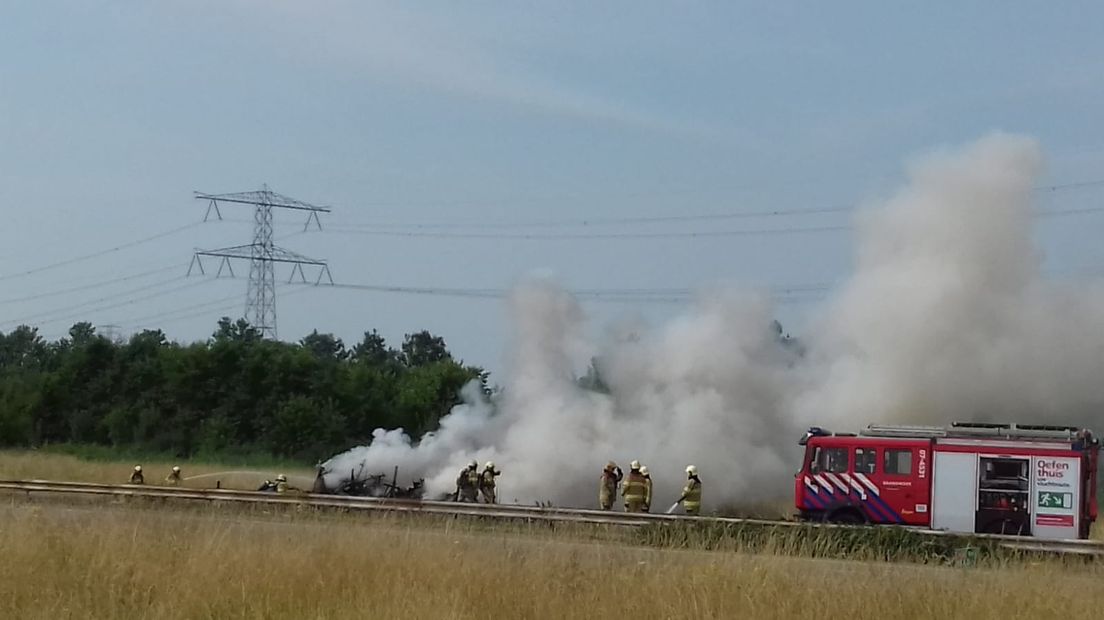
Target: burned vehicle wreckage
<point x="361" y="484"/>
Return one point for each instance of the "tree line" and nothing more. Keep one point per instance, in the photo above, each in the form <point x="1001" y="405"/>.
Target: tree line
<point x="235" y="392"/>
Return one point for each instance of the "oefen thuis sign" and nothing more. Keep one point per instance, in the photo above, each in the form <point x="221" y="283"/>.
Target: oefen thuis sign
<point x="1055" y="493"/>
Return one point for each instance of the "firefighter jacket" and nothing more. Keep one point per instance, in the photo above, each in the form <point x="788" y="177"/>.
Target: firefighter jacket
<point x="635" y="487"/>
<point x="173" y="479"/>
<point x="282" y="487"/>
<point x="691" y="495"/>
<point x="487" y="478"/>
<point x="647" y="492"/>
<point x="467" y="485"/>
<point x="607" y="487"/>
<point x="137" y="478"/>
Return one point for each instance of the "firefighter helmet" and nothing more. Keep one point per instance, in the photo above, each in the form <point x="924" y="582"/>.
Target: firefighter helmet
<point x="281" y="478"/>
<point x="644" y="470"/>
<point x="610" y="466"/>
<point x="176" y="469"/>
<point x="473" y="464"/>
<point x="691" y="470"/>
<point x="635" y="465"/>
<point x="489" y="465"/>
<point x="138" y="468"/>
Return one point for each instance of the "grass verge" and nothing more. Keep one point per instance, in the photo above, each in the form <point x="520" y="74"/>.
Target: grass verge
<point x="118" y="562"/>
<point x="89" y="464"/>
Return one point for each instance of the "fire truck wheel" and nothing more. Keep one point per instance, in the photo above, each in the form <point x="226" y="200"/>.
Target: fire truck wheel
<point x="846" y="516"/>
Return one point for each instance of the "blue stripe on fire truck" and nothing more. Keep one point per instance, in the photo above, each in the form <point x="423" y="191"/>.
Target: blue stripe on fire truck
<point x="875" y="496"/>
<point x="826" y="488"/>
<point x="812" y="496"/>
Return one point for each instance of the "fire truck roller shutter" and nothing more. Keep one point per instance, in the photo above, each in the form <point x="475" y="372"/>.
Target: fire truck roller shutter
<point x="954" y="495"/>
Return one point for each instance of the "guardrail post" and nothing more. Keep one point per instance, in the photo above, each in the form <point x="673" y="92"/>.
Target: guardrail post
<point x="966" y="556"/>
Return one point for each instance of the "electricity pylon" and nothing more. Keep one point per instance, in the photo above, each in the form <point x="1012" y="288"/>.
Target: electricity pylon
<point x="263" y="253"/>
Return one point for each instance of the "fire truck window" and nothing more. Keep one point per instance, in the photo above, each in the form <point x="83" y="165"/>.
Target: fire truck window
<point x="898" y="462"/>
<point x="814" y="463"/>
<point x="865" y="460"/>
<point x="837" y="460"/>
<point x="829" y="459"/>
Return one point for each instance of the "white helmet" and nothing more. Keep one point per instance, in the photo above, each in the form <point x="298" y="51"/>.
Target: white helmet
<point x="644" y="470"/>
<point x="691" y="470"/>
<point x="489" y="465"/>
<point x="176" y="469"/>
<point x="611" y="466"/>
<point x="138" y="468"/>
<point x="281" y="478"/>
<point x="634" y="465"/>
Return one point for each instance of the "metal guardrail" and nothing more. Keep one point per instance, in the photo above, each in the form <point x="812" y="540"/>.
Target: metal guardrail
<point x="494" y="511"/>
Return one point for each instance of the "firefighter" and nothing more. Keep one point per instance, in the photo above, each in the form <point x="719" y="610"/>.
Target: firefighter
<point x="691" y="493"/>
<point x="319" y="485"/>
<point x="282" y="484"/>
<point x="634" y="489"/>
<point x="173" y="479"/>
<point x="136" y="476"/>
<point x="487" y="482"/>
<point x="607" y="485"/>
<point x="467" y="484"/>
<point x="647" y="488"/>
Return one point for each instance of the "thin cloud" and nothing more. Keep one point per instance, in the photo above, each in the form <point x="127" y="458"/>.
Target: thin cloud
<point x="407" y="47"/>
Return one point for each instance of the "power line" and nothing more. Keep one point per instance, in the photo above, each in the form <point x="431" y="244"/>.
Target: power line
<point x="38" y="320"/>
<point x="691" y="234"/>
<point x="93" y="285"/>
<point x="621" y="295"/>
<point x="1063" y="212"/>
<point x="170" y="317"/>
<point x="77" y="259"/>
<point x="597" y="295"/>
<point x="1071" y="185"/>
<point x="724" y="215"/>
<point x="222" y="301"/>
<point x="700" y="234"/>
<point x="82" y="304"/>
<point x="218" y="305"/>
<point x="655" y="219"/>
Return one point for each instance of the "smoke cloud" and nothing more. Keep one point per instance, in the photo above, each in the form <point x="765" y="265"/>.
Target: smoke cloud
<point x="946" y="317"/>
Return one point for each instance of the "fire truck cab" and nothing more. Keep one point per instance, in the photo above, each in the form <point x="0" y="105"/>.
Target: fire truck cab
<point x="1029" y="480"/>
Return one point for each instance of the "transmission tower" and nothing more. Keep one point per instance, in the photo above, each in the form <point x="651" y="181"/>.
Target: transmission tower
<point x="263" y="253"/>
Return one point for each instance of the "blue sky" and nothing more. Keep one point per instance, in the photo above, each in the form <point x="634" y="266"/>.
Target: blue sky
<point x="477" y="117"/>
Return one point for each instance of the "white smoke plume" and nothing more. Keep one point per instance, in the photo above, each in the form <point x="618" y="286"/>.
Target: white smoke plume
<point x="946" y="317"/>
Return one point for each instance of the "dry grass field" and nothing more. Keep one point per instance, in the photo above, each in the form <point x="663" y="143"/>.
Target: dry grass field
<point x="126" y="562"/>
<point x="146" y="560"/>
<point x="35" y="465"/>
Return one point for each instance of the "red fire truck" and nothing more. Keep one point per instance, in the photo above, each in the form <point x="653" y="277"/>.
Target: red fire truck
<point x="967" y="477"/>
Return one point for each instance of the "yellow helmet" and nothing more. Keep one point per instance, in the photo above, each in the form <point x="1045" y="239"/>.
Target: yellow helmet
<point x="691" y="470"/>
